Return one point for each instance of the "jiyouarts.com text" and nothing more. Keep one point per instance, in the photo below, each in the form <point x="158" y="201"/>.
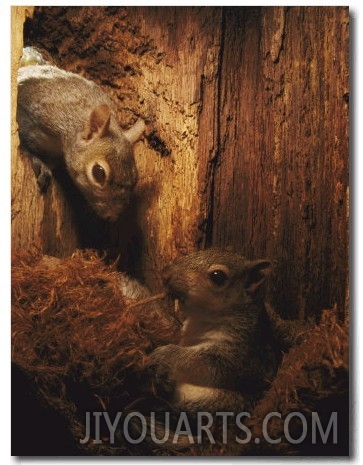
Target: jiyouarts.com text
<point x="161" y="432"/>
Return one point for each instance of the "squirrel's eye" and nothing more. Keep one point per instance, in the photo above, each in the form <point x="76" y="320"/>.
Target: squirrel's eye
<point x="218" y="277"/>
<point x="99" y="174"/>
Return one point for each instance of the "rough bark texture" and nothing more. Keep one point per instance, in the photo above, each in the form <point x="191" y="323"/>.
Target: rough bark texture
<point x="249" y="149"/>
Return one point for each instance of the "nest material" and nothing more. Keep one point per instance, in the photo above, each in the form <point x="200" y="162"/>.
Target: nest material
<point x="78" y="337"/>
<point x="313" y="377"/>
<point x="81" y="346"/>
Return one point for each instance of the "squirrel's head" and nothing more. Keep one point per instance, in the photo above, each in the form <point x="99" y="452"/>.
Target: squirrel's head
<point x="108" y="172"/>
<point x="215" y="281"/>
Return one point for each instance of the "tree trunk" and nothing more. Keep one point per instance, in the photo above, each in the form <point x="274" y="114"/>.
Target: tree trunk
<point x="249" y="148"/>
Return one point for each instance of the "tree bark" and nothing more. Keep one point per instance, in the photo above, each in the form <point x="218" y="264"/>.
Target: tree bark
<point x="281" y="184"/>
<point x="249" y="147"/>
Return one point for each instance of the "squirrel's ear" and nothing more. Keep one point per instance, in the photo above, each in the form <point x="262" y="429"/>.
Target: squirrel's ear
<point x="99" y="123"/>
<point x="256" y="273"/>
<point x="135" y="132"/>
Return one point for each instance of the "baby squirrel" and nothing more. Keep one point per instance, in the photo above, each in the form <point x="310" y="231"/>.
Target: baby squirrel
<point x="66" y="119"/>
<point x="225" y="358"/>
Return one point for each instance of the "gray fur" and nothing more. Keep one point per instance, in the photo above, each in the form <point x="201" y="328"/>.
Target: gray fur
<point x="53" y="114"/>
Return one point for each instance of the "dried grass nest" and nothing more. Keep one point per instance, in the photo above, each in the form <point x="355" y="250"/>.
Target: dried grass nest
<point x="80" y="344"/>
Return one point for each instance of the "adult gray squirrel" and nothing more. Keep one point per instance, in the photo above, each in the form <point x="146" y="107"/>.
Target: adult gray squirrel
<point x="65" y="119"/>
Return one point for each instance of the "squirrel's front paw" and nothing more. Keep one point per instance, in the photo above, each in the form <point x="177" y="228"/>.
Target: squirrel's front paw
<point x="163" y="381"/>
<point x="42" y="173"/>
<point x="160" y="366"/>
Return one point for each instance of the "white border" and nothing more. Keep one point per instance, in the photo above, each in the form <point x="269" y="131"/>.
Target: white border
<point x="356" y="248"/>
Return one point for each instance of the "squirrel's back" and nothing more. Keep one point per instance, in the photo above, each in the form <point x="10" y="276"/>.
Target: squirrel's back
<point x="51" y="99"/>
